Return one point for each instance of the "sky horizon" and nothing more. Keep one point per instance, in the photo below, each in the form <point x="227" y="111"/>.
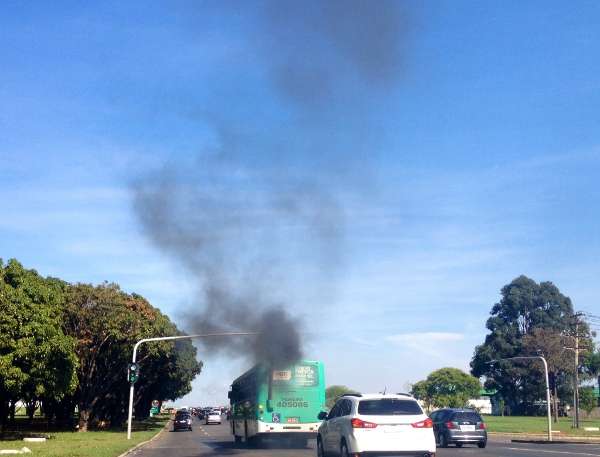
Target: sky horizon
<point x="469" y="157"/>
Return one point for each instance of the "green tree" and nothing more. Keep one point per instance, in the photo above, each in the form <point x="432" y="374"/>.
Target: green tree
<point x="587" y="399"/>
<point x="591" y="363"/>
<point x="106" y="323"/>
<point x="420" y="390"/>
<point x="332" y="393"/>
<point x="447" y="387"/>
<point x="524" y="307"/>
<point x="550" y="344"/>
<point x="37" y="360"/>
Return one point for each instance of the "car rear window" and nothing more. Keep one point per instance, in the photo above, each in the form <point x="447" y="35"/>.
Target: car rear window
<point x="466" y="417"/>
<point x="389" y="407"/>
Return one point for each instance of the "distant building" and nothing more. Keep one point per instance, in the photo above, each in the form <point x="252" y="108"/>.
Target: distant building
<point x="484" y="403"/>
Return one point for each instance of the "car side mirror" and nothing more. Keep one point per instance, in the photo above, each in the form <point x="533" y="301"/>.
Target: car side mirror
<point x="322" y="416"/>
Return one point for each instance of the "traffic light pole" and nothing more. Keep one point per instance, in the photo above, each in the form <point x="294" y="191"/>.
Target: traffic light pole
<point x="167" y="338"/>
<point x="539" y="357"/>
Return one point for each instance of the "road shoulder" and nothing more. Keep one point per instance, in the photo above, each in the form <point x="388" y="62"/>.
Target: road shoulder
<point x="144" y="443"/>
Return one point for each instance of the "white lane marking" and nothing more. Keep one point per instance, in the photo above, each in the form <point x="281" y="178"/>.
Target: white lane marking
<point x="545" y="451"/>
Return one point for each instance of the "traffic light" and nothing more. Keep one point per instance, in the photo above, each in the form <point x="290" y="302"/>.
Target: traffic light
<point x="133" y="372"/>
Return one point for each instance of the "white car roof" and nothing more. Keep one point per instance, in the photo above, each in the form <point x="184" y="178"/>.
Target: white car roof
<point x="378" y="396"/>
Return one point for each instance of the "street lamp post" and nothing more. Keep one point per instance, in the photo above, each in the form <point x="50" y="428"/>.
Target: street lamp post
<point x="167" y="338"/>
<point x="538" y="357"/>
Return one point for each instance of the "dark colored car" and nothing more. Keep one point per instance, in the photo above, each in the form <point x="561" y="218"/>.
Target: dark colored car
<point x="182" y="421"/>
<point x="458" y="426"/>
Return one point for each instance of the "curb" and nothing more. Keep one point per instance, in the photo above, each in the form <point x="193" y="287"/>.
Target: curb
<point x="539" y="438"/>
<point x="561" y="441"/>
<point x="143" y="443"/>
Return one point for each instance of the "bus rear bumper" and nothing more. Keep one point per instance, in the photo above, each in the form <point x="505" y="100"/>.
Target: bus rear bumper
<point x="308" y="430"/>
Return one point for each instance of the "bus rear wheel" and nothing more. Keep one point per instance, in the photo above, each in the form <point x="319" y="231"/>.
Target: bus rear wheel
<point x="254" y="441"/>
<point x="299" y="443"/>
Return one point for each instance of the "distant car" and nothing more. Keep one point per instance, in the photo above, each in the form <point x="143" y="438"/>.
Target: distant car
<point x="213" y="417"/>
<point x="375" y="424"/>
<point x="459" y="426"/>
<point x="182" y="421"/>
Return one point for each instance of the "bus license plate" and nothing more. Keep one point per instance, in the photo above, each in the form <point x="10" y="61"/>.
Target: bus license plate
<point x="293" y="420"/>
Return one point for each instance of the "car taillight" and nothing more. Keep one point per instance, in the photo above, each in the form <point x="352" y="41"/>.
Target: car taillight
<point x="450" y="424"/>
<point x="427" y="423"/>
<point x="358" y="423"/>
<point x="481" y="426"/>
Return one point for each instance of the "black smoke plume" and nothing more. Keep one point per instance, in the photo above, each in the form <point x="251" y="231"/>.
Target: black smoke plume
<point x="239" y="215"/>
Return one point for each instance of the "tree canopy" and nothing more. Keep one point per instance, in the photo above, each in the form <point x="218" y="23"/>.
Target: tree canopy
<point x="530" y="319"/>
<point x="67" y="346"/>
<point x="332" y="393"/>
<point x="446" y="388"/>
<point x="37" y="360"/>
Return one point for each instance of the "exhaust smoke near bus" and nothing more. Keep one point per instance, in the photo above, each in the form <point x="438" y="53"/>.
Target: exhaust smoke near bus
<point x="261" y="209"/>
<point x="237" y="241"/>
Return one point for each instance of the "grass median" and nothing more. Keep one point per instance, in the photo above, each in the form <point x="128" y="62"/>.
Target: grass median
<point x="105" y="443"/>
<point x="535" y="425"/>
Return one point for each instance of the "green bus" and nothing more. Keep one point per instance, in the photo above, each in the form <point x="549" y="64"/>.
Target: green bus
<point x="281" y="403"/>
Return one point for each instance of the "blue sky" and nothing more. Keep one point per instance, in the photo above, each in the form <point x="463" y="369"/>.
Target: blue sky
<point x="479" y="163"/>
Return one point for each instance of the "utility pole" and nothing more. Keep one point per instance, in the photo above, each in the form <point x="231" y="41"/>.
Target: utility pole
<point x="576" y="348"/>
<point x="576" y="371"/>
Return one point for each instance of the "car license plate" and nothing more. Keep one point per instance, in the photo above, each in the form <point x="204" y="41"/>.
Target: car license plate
<point x="394" y="428"/>
<point x="293" y="420"/>
<point x="467" y="428"/>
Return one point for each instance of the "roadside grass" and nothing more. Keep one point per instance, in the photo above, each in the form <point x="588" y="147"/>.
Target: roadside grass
<point x="527" y="424"/>
<point x="105" y="443"/>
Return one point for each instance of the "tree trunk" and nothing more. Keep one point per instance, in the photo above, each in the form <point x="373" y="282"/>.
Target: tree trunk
<point x="84" y="418"/>
<point x="64" y="410"/>
<point x="30" y="408"/>
<point x="3" y="414"/>
<point x="12" y="410"/>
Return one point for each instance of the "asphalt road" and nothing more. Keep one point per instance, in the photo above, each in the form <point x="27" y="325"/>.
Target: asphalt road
<point x="215" y="441"/>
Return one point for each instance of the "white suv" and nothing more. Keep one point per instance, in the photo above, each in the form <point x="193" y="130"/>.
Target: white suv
<point x="376" y="423"/>
<point x="213" y="417"/>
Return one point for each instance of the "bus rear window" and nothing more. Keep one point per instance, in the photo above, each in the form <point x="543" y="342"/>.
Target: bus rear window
<point x="389" y="407"/>
<point x="301" y="375"/>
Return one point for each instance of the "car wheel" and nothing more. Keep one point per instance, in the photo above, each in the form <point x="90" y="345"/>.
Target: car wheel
<point x="344" y="450"/>
<point x="320" y="449"/>
<point x="482" y="444"/>
<point x="443" y="440"/>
